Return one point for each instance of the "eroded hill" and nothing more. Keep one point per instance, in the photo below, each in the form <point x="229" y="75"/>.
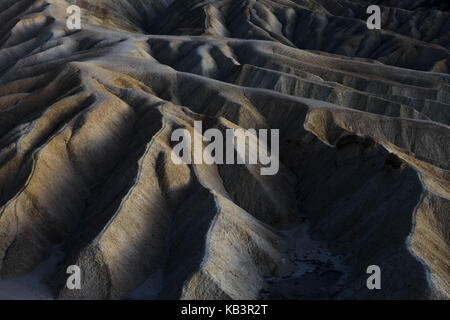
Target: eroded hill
<point x="86" y="118"/>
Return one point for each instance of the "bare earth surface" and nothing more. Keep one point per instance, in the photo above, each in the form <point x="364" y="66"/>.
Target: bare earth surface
<point x="86" y="118"/>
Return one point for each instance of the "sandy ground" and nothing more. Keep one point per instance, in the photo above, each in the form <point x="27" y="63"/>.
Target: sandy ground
<point x="150" y="289"/>
<point x="30" y="287"/>
<point x="318" y="274"/>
